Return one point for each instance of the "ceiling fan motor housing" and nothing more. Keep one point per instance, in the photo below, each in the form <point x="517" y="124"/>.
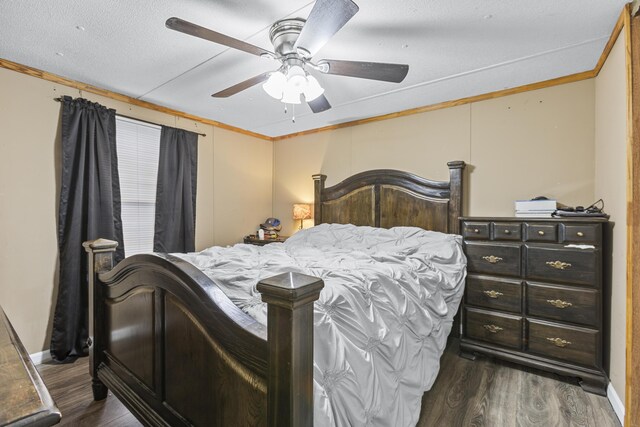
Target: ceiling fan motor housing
<point x="283" y="35"/>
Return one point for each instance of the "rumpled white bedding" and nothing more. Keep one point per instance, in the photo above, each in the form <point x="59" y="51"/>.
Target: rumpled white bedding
<point x="382" y="319"/>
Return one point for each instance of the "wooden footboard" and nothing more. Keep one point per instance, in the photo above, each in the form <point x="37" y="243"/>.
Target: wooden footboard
<point x="170" y="344"/>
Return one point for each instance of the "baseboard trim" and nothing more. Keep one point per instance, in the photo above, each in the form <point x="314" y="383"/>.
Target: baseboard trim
<point x="616" y="403"/>
<point x="41" y="357"/>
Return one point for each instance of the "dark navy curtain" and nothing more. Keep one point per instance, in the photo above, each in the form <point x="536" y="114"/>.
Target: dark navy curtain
<point x="175" y="223"/>
<point x="89" y="208"/>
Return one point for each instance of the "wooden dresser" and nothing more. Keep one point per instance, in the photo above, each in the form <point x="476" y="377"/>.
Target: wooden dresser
<point x="24" y="399"/>
<point x="534" y="294"/>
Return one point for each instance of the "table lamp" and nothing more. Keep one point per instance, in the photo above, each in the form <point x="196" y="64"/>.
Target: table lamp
<point x="301" y="211"/>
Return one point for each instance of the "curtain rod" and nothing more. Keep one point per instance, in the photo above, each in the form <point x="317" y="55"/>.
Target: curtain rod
<point x="135" y="118"/>
<point x="151" y="123"/>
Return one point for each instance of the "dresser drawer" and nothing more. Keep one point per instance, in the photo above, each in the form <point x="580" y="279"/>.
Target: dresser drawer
<point x="475" y="230"/>
<point x="507" y="231"/>
<point x="572" y="344"/>
<point x="578" y="266"/>
<point x="497" y="328"/>
<point x="493" y="293"/>
<point x="577" y="233"/>
<point x="541" y="232"/>
<point x="501" y="259"/>
<point x="568" y="304"/>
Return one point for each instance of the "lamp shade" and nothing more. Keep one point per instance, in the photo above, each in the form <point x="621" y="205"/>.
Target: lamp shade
<point x="291" y="95"/>
<point x="301" y="211"/>
<point x="296" y="78"/>
<point x="313" y="89"/>
<point x="275" y="85"/>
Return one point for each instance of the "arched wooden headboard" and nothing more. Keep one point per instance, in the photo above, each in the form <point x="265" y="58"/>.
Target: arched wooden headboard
<point x="388" y="198"/>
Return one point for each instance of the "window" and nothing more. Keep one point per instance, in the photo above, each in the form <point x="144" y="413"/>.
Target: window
<point x="138" y="145"/>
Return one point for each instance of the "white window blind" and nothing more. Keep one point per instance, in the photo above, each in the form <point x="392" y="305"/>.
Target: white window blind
<point x="138" y="153"/>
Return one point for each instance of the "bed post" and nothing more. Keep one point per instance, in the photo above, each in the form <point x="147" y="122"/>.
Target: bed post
<point x="456" y="169"/>
<point x="290" y="298"/>
<point x="99" y="259"/>
<point x="318" y="184"/>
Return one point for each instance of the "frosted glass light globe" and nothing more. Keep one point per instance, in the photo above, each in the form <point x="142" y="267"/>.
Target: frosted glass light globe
<point x="291" y="95"/>
<point x="313" y="89"/>
<point x="297" y="78"/>
<point x="275" y="85"/>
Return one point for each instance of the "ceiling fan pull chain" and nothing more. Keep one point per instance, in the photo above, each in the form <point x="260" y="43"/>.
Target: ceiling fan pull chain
<point x="285" y="108"/>
<point x="293" y="113"/>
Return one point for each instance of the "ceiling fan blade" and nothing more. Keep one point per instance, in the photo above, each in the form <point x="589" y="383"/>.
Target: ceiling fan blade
<point x="394" y="73"/>
<point x="319" y="104"/>
<point x="325" y="19"/>
<point x="242" y="86"/>
<point x="186" y="27"/>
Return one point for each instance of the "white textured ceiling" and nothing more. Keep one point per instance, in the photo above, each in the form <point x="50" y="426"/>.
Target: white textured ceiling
<point x="454" y="49"/>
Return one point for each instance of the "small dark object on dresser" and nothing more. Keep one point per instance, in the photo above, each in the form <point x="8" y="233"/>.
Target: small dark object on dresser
<point x="596" y="209"/>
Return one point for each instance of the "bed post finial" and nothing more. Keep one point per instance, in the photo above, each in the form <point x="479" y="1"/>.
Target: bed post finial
<point x="99" y="260"/>
<point x="318" y="183"/>
<point x="456" y="169"/>
<point x="290" y="298"/>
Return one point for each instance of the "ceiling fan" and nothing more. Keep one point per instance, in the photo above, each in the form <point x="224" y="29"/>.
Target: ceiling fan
<point x="295" y="41"/>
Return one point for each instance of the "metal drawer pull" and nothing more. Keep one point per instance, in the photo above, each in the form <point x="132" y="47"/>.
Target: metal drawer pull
<point x="541" y="233"/>
<point x="475" y="230"/>
<point x="492" y="259"/>
<point x="492" y="293"/>
<point x="559" y="342"/>
<point x="558" y="265"/>
<point x="558" y="303"/>
<point x="507" y="231"/>
<point x="494" y="329"/>
<point x="580" y="234"/>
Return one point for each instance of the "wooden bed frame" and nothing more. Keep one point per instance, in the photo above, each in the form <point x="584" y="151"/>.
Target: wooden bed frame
<point x="176" y="351"/>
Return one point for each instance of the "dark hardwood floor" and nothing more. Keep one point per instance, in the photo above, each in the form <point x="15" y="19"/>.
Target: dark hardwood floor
<point x="478" y="393"/>
<point x="70" y="387"/>
<point x="488" y="392"/>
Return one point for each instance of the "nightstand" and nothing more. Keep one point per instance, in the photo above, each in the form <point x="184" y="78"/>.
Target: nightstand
<point x="536" y="294"/>
<point x="254" y="240"/>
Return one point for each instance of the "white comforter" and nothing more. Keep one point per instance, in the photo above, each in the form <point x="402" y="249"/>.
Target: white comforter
<point x="382" y="319"/>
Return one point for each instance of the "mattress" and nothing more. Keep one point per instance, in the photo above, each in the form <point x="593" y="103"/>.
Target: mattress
<point x="381" y="322"/>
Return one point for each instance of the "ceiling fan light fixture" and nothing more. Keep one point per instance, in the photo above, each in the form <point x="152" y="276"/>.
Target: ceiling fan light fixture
<point x="275" y="85"/>
<point x="297" y="78"/>
<point x="313" y="89"/>
<point x="291" y="95"/>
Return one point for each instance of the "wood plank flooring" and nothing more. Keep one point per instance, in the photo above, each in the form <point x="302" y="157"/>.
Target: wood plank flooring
<point x="70" y="387"/>
<point x="477" y="393"/>
<point x="488" y="392"/>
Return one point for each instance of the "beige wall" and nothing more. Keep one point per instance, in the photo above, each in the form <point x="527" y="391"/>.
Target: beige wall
<point x="518" y="146"/>
<point x="610" y="185"/>
<point x="242" y="194"/>
<point x="234" y="193"/>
